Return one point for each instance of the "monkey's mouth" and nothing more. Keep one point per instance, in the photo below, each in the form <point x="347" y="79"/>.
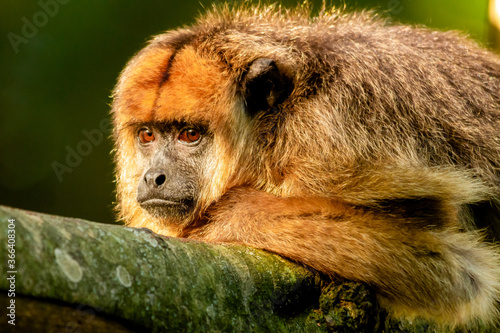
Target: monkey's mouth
<point x="167" y="208"/>
<point x="158" y="202"/>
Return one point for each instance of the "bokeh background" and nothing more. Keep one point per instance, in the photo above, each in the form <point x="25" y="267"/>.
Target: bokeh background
<point x="56" y="78"/>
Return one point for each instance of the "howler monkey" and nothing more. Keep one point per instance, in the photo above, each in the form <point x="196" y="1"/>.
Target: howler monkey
<point x="363" y="149"/>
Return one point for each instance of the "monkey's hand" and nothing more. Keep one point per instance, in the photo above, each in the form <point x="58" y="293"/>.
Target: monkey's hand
<point x="420" y="265"/>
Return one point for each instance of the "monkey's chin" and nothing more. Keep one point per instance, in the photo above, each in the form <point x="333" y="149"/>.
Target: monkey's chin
<point x="168" y="209"/>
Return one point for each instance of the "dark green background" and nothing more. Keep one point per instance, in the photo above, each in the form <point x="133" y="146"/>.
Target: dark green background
<point x="58" y="85"/>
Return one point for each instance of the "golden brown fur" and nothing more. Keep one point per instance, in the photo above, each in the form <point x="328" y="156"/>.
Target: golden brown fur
<point x="377" y="167"/>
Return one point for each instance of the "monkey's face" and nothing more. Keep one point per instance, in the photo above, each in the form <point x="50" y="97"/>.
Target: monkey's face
<point x="171" y="154"/>
<point x="175" y="116"/>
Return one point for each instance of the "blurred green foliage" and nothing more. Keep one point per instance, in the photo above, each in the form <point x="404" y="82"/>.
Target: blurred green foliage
<point x="58" y="85"/>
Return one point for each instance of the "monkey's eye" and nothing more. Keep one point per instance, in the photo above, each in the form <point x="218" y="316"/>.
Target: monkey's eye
<point x="146" y="135"/>
<point x="189" y="135"/>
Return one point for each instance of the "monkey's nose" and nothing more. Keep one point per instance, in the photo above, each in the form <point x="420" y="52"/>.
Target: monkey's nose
<point x="155" y="178"/>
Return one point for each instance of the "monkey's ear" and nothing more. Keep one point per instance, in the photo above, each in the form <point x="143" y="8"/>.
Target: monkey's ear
<point x="265" y="87"/>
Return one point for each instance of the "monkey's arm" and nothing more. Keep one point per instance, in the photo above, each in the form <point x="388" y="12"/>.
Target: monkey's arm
<point x="435" y="272"/>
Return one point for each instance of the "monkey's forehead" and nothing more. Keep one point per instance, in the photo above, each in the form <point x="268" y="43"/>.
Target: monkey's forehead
<point x="167" y="83"/>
